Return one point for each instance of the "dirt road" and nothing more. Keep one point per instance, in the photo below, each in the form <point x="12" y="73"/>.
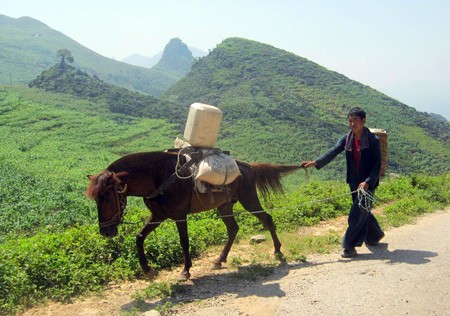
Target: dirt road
<point x="407" y="274"/>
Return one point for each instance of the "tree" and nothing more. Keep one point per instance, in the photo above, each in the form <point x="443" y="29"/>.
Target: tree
<point x="65" y="54"/>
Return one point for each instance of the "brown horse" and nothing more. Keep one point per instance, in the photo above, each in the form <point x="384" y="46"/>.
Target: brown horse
<point x="151" y="176"/>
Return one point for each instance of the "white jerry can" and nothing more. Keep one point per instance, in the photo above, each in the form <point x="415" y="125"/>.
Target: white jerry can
<point x="202" y="126"/>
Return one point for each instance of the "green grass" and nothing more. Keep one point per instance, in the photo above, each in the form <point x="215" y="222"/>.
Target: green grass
<point x="48" y="150"/>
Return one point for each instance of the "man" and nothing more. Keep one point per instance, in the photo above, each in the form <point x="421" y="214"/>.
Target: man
<point x="363" y="156"/>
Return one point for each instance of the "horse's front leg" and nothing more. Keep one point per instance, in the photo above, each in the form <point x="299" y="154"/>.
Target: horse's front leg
<point x="184" y="242"/>
<point x="140" y="238"/>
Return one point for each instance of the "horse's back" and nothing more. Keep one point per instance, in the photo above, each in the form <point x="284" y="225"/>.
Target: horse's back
<point x="141" y="160"/>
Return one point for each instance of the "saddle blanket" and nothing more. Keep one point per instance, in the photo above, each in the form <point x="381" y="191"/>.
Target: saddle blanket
<point x="216" y="168"/>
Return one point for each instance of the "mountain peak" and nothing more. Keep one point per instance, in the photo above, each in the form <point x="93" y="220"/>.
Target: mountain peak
<point x="24" y="22"/>
<point x="176" y="48"/>
<point x="176" y="58"/>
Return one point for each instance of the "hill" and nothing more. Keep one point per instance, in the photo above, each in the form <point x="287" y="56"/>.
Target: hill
<point x="28" y="46"/>
<point x="143" y="61"/>
<point x="64" y="78"/>
<point x="280" y="107"/>
<point x="176" y="58"/>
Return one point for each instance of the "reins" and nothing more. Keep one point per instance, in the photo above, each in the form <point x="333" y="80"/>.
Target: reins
<point x="121" y="202"/>
<point x="365" y="198"/>
<point x="365" y="201"/>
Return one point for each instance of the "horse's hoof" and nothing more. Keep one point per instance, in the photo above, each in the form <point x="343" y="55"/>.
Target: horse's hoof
<point x="184" y="276"/>
<point x="280" y="256"/>
<point x="150" y="274"/>
<point x="217" y="266"/>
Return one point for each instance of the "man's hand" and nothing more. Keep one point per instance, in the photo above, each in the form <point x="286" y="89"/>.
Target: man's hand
<point x="308" y="164"/>
<point x="364" y="185"/>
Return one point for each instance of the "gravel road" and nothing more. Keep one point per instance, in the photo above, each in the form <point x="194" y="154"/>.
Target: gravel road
<point x="407" y="274"/>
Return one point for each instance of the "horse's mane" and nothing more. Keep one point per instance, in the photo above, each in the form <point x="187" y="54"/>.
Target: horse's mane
<point x="99" y="182"/>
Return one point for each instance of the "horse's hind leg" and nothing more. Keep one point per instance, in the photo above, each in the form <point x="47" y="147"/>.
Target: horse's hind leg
<point x="267" y="221"/>
<point x="251" y="203"/>
<point x="226" y="212"/>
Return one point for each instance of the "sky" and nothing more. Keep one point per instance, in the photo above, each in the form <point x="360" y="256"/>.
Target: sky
<point x="398" y="47"/>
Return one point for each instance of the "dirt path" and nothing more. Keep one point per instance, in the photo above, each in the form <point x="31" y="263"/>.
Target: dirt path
<point x="408" y="274"/>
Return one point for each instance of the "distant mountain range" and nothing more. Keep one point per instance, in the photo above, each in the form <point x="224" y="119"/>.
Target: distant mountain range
<point x="28" y="46"/>
<point x="149" y="62"/>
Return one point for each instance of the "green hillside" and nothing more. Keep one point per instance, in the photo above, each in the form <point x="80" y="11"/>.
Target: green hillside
<point x="50" y="142"/>
<point x="280" y="107"/>
<point x="277" y="106"/>
<point x="27" y="47"/>
<point x="64" y="78"/>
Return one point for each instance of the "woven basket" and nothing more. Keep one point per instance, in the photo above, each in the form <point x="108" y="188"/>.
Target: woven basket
<point x="383" y="136"/>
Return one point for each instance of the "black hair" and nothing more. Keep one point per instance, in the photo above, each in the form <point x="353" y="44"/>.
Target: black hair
<point x="357" y="112"/>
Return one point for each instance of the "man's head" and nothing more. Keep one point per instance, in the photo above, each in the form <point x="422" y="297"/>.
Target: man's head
<point x="356" y="120"/>
<point x="357" y="112"/>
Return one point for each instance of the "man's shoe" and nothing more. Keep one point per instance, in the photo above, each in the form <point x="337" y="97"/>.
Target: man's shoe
<point x="349" y="253"/>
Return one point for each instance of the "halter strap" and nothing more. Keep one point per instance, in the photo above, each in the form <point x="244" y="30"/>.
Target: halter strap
<point x="121" y="201"/>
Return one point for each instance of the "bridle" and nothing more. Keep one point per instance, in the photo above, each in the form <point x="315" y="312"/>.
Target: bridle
<point x="121" y="203"/>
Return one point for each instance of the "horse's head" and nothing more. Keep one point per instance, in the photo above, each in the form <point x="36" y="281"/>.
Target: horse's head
<point x="109" y="194"/>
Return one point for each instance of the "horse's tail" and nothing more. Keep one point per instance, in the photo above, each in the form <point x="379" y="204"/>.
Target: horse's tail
<point x="268" y="177"/>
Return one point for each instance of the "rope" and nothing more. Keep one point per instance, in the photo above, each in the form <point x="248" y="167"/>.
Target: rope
<point x="365" y="201"/>
<point x="177" y="167"/>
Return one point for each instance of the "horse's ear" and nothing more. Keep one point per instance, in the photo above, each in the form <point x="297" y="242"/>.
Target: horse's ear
<point x="90" y="176"/>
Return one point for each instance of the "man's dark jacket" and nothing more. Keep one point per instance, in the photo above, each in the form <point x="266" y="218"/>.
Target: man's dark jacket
<point x="370" y="159"/>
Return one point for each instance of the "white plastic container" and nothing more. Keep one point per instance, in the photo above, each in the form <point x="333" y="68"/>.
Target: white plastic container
<point x="202" y="126"/>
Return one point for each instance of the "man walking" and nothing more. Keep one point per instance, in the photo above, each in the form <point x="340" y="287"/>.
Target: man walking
<point x="363" y="156"/>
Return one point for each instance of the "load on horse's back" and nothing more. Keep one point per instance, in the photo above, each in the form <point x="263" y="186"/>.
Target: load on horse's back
<point x="163" y="181"/>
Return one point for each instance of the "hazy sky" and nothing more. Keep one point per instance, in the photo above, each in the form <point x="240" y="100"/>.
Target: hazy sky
<point x="398" y="47"/>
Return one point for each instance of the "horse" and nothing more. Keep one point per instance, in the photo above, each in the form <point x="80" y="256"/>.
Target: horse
<point x="172" y="195"/>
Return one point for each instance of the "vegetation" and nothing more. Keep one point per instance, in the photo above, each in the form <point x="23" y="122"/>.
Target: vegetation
<point x="65" y="55"/>
<point x="63" y="78"/>
<point x="61" y="265"/>
<point x="47" y="151"/>
<point x="294" y="117"/>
